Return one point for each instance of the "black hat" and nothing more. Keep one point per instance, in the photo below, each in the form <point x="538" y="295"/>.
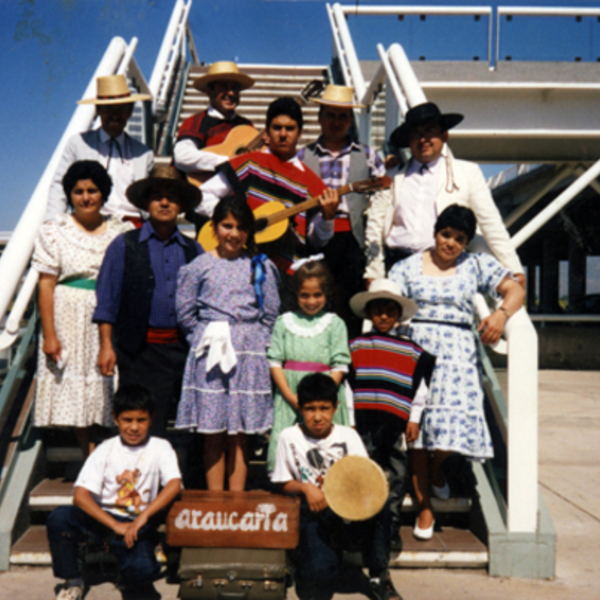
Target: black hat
<point x="418" y="115"/>
<point x="164" y="177"/>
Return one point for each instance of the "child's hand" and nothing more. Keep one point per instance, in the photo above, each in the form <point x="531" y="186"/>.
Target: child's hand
<point x="412" y="431"/>
<point x="315" y="497"/>
<point x="132" y="530"/>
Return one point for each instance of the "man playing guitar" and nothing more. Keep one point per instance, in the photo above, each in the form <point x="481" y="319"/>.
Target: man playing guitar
<point x="223" y="83"/>
<point x="276" y="174"/>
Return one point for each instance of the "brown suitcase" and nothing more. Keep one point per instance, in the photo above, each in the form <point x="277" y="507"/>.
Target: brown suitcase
<point x="233" y="574"/>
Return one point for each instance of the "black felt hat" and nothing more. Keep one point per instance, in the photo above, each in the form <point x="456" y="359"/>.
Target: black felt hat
<point x="418" y="115"/>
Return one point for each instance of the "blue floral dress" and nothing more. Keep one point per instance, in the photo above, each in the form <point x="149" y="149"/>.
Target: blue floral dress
<point x="453" y="418"/>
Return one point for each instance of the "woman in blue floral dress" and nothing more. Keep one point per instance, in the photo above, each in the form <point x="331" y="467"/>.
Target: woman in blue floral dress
<point x="444" y="281"/>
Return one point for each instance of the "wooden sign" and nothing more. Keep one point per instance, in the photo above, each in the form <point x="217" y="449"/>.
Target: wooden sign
<point x="234" y="520"/>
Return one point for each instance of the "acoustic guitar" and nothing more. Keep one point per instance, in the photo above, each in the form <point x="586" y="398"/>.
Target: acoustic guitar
<point x="273" y="218"/>
<point x="245" y="138"/>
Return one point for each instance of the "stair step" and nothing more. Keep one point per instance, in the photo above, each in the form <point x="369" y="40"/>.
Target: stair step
<point x="33" y="549"/>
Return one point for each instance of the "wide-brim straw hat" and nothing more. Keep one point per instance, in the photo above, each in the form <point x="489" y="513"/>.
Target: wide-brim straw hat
<point x="338" y="96"/>
<point x="164" y="178"/>
<point x="383" y="289"/>
<point x="356" y="488"/>
<point x="224" y="70"/>
<point x="113" y="89"/>
<point x="417" y="115"/>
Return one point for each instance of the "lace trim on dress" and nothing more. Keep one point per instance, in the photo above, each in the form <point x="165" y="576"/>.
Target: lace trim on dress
<point x="311" y="330"/>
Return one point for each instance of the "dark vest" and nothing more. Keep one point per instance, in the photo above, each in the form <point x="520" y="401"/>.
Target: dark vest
<point x="136" y="291"/>
<point x="357" y="203"/>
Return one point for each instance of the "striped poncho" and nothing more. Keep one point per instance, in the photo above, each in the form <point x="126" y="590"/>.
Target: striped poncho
<point x="262" y="177"/>
<point x="387" y="372"/>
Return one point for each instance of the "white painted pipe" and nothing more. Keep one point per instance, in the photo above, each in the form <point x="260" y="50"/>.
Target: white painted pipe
<point x="417" y="10"/>
<point x="406" y="76"/>
<point x="124" y="66"/>
<point x="392" y="80"/>
<point x="553" y="11"/>
<point x="556" y="205"/>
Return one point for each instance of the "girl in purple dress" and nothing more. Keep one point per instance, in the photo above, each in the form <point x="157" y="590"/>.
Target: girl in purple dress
<point x="227" y="302"/>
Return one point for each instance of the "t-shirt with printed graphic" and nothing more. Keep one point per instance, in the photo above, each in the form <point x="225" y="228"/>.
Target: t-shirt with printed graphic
<point x="306" y="459"/>
<point x="123" y="479"/>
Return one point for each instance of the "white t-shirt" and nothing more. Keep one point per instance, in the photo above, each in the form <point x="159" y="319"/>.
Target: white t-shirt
<point x="306" y="459"/>
<point x="123" y="479"/>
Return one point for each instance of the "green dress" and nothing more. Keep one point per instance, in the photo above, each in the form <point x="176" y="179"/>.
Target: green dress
<point x="319" y="339"/>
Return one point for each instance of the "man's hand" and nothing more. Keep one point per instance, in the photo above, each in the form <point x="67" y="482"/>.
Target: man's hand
<point x="329" y="202"/>
<point x="107" y="359"/>
<point x="131" y="533"/>
<point x="412" y="431"/>
<point x="315" y="497"/>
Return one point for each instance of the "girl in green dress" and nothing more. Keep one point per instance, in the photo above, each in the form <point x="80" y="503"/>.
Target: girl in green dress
<point x="308" y="340"/>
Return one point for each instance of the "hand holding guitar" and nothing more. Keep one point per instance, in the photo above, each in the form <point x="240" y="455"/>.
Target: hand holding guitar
<point x="329" y="201"/>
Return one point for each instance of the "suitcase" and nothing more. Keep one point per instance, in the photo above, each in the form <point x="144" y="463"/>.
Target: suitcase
<point x="233" y="574"/>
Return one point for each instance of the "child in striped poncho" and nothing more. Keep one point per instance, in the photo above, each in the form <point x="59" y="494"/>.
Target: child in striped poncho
<point x="390" y="384"/>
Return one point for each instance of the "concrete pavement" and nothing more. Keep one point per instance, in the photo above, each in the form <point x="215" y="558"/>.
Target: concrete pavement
<point x="569" y="474"/>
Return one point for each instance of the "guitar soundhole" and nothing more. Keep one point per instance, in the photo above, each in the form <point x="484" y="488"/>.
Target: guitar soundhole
<point x="261" y="224"/>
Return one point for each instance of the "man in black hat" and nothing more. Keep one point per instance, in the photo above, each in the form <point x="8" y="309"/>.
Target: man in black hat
<point x="136" y="293"/>
<point x="401" y="220"/>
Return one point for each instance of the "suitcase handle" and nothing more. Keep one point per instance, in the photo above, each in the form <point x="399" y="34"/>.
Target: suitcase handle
<point x="233" y="595"/>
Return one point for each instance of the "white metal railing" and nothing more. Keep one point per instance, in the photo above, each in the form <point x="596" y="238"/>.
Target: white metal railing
<point x="173" y="47"/>
<point x="520" y="335"/>
<point x="15" y="258"/>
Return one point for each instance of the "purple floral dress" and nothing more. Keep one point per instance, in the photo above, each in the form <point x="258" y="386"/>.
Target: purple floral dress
<point x="217" y="289"/>
<point x="453" y="418"/>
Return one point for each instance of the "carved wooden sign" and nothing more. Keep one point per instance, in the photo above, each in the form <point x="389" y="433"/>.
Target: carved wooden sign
<point x="234" y="520"/>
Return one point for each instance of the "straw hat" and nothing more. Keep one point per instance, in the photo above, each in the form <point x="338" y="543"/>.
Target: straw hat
<point x="383" y="289"/>
<point x="164" y="177"/>
<point x="338" y="96"/>
<point x="224" y="70"/>
<point x="113" y="89"/>
<point x="417" y="115"/>
<point x="356" y="488"/>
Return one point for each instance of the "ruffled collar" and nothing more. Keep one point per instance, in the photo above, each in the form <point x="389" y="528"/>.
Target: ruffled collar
<point x="303" y="326"/>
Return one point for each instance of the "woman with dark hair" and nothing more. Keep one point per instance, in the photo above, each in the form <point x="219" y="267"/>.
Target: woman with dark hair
<point x="227" y="302"/>
<point x="69" y="250"/>
<point x="444" y="281"/>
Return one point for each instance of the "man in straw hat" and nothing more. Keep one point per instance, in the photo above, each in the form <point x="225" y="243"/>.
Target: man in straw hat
<point x="136" y="292"/>
<point x="390" y="380"/>
<point x="222" y="83"/>
<point x="125" y="159"/>
<point x="305" y="453"/>
<point x="401" y="220"/>
<point x="339" y="159"/>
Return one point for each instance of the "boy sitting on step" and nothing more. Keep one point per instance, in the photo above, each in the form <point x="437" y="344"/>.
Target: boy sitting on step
<point x="305" y="452"/>
<point x="389" y="379"/>
<point x="116" y="494"/>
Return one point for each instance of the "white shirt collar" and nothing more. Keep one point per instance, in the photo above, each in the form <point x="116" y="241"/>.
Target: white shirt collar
<point x="104" y="137"/>
<point x="213" y="112"/>
<point x="294" y="160"/>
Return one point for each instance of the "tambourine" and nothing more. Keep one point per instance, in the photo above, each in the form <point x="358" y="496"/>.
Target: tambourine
<point x="356" y="488"/>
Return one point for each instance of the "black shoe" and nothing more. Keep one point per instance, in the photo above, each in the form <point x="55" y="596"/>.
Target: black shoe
<point x="383" y="589"/>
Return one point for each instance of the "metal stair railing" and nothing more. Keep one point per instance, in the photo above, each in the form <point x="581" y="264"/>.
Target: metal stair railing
<point x="521" y="337"/>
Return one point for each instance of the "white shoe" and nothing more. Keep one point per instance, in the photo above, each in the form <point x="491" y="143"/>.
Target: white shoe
<point x="423" y="534"/>
<point x="73" y="592"/>
<point x="443" y="493"/>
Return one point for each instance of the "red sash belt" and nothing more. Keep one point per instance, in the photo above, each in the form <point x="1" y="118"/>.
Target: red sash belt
<point x="342" y="224"/>
<point x="296" y="365"/>
<point x="155" y="335"/>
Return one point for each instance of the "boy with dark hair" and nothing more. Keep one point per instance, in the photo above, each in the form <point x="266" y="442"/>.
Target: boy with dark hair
<point x="305" y="452"/>
<point x="275" y="174"/>
<point x="389" y="380"/>
<point x="116" y="494"/>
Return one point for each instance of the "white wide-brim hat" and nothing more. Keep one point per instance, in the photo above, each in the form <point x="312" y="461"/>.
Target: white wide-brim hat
<point x="113" y="89"/>
<point x="383" y="289"/>
<point x="337" y="96"/>
<point x="223" y="70"/>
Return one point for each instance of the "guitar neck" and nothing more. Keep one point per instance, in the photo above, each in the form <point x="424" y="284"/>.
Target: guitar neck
<point x="303" y="206"/>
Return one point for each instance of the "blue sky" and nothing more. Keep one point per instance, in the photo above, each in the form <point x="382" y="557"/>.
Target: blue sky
<point x="49" y="49"/>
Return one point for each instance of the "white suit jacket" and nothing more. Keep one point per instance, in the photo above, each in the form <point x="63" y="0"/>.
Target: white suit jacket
<point x="85" y="146"/>
<point x="460" y="182"/>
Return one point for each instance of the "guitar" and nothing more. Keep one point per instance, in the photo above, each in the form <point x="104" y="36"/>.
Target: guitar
<point x="272" y="218"/>
<point x="245" y="138"/>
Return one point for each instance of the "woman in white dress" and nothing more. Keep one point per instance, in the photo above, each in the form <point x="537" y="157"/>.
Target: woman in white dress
<point x="69" y="250"/>
<point x="443" y="281"/>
